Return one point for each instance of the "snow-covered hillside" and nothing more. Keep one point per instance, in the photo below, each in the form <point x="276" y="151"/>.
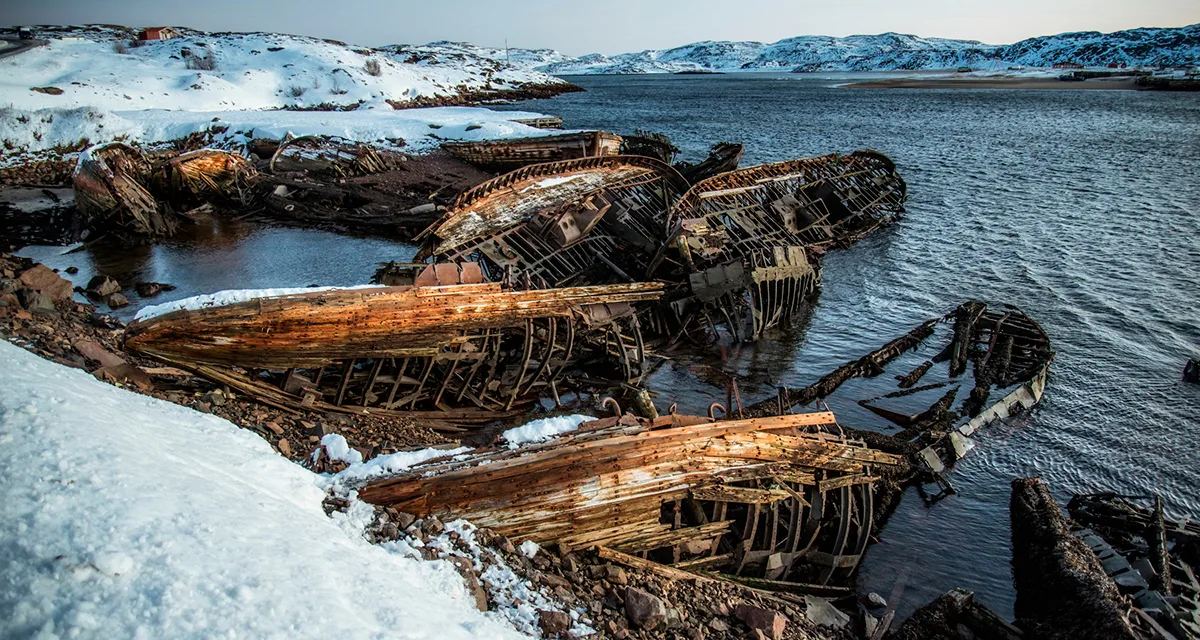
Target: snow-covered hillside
<point x="104" y="67"/>
<point x="889" y="51"/>
<point x="98" y="83"/>
<point x="130" y="517"/>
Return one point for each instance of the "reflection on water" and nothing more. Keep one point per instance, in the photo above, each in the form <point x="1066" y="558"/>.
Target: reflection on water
<point x="230" y="255"/>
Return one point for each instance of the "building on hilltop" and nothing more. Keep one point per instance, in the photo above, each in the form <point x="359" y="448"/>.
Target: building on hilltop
<point x="158" y="33"/>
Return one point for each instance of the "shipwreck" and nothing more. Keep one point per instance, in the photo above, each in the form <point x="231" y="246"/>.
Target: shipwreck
<point x="513" y="153"/>
<point x="740" y="250"/>
<point x="781" y="502"/>
<point x="451" y="345"/>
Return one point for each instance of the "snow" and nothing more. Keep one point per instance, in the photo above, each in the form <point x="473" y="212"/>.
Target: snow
<point x="261" y="85"/>
<point x="249" y="71"/>
<point x="338" y="449"/>
<point x="418" y="130"/>
<point x="130" y="517"/>
<point x="392" y="463"/>
<point x="530" y="549"/>
<point x="232" y="296"/>
<point x="543" y="429"/>
<point x="894" y="51"/>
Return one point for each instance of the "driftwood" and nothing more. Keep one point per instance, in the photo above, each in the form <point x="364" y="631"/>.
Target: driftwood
<point x="452" y="340"/>
<point x="765" y="497"/>
<point x="506" y="155"/>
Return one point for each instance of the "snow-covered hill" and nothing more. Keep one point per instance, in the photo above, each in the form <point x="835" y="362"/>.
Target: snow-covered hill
<point x="94" y="84"/>
<point x="105" y="67"/>
<point x="889" y="51"/>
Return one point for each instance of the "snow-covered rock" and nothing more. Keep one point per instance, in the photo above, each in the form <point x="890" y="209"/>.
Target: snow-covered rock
<point x="130" y="517"/>
<point x="892" y="51"/>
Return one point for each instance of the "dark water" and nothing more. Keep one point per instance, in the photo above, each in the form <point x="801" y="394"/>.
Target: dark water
<point x="229" y="255"/>
<point x="1078" y="206"/>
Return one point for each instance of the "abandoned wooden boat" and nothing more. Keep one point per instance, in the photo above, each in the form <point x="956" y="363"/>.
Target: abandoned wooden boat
<point x="748" y="242"/>
<point x="110" y="190"/>
<point x="722" y="157"/>
<point x="1117" y="578"/>
<point x="738" y="250"/>
<point x="781" y="502"/>
<point x="1009" y="354"/>
<point x="450" y="340"/>
<point x="514" y="153"/>
<point x="589" y="221"/>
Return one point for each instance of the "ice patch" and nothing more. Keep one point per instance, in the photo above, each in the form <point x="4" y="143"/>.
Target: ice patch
<point x="393" y="463"/>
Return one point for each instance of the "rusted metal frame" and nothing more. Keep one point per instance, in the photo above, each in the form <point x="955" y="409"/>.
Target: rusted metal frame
<point x="527" y="354"/>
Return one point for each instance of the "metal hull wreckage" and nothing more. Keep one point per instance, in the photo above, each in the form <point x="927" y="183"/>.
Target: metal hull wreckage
<point x="569" y="275"/>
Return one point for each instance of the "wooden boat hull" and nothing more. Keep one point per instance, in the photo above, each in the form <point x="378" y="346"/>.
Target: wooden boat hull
<point x="765" y="498"/>
<point x="515" y="153"/>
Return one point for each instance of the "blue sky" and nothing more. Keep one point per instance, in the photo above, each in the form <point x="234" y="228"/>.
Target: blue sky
<point x="615" y="26"/>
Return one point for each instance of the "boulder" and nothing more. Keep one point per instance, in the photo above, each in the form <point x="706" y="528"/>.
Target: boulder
<point x="36" y="301"/>
<point x="821" y="613"/>
<point x="471" y="579"/>
<point x="770" y="623"/>
<point x="615" y="574"/>
<point x="41" y="278"/>
<point x="115" y="300"/>
<point x="553" y="624"/>
<point x="101" y="286"/>
<point x="644" y="610"/>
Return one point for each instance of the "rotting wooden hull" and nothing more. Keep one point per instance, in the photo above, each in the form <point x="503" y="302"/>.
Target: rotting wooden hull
<point x="590" y="221"/>
<point x="436" y="348"/>
<point x="763" y="498"/>
<point x="518" y="152"/>
<point x="740" y="250"/>
<point x="748" y="242"/>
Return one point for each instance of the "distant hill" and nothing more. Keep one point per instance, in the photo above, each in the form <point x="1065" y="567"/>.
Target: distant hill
<point x="886" y="51"/>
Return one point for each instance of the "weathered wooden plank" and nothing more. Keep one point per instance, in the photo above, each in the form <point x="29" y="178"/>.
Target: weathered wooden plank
<point x="743" y="495"/>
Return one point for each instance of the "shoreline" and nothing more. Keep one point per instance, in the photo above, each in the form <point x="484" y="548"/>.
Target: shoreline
<point x="1046" y="84"/>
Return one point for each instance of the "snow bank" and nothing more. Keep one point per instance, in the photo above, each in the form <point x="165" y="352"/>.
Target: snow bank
<point x="543" y="429"/>
<point x="126" y="516"/>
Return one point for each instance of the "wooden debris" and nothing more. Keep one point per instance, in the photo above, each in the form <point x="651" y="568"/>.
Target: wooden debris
<point x="111" y="194"/>
<point x="676" y="490"/>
